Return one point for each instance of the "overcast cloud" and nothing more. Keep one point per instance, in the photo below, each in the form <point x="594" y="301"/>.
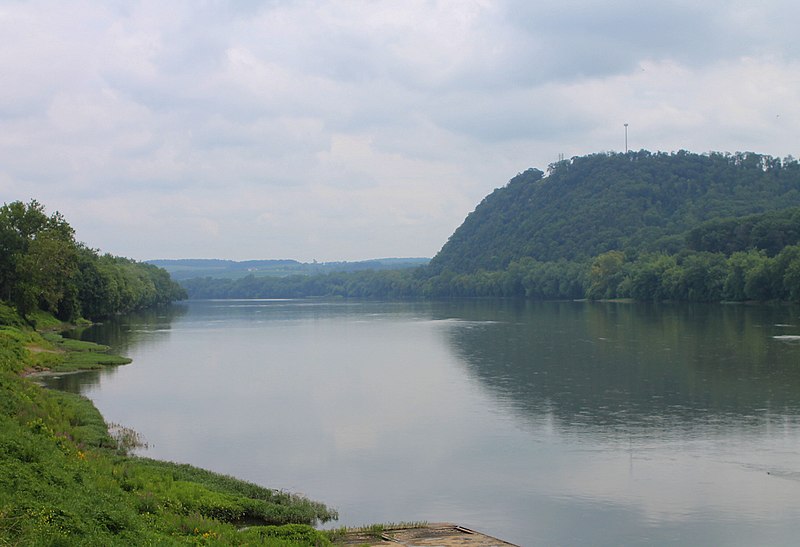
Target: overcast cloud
<point x="346" y="130"/>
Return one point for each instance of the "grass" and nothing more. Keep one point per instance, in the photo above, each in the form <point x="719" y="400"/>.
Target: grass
<point x="70" y="344"/>
<point x="61" y="354"/>
<point x="89" y="360"/>
<point x="43" y="321"/>
<point x="376" y="530"/>
<point x="9" y="316"/>
<point x="365" y="535"/>
<point x="65" y="480"/>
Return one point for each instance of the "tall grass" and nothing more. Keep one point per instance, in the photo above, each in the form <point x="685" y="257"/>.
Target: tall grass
<point x="64" y="480"/>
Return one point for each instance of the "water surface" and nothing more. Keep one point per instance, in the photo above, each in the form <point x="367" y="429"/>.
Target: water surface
<point x="541" y="423"/>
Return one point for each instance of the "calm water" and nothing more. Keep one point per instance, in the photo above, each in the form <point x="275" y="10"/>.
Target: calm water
<point x="541" y="423"/>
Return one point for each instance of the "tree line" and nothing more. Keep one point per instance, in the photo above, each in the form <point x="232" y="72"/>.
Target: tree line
<point x="43" y="267"/>
<point x="687" y="276"/>
<point x="755" y="257"/>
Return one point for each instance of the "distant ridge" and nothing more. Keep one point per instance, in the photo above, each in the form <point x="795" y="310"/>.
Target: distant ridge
<point x="181" y="269"/>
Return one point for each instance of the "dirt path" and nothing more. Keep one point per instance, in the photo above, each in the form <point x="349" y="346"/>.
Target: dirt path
<point x="39" y="349"/>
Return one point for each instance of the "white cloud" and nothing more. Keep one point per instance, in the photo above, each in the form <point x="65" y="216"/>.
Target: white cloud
<point x="340" y="130"/>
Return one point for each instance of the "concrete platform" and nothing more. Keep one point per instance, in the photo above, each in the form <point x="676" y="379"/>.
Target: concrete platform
<point x="429" y="535"/>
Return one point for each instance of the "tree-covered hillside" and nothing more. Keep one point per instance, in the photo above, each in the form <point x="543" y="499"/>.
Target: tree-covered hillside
<point x="638" y="201"/>
<point x="648" y="226"/>
<point x="43" y="267"/>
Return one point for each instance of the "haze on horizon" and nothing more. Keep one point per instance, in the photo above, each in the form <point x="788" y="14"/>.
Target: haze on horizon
<point x="335" y="130"/>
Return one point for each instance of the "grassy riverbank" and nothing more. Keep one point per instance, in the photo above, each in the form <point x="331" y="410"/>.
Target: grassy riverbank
<point x="65" y="480"/>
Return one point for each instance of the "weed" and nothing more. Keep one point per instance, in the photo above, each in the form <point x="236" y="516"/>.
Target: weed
<point x="66" y="479"/>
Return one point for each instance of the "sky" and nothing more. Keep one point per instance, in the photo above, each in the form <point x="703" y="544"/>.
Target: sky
<point x="349" y="130"/>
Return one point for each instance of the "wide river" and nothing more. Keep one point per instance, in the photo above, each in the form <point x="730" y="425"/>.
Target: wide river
<point x="541" y="423"/>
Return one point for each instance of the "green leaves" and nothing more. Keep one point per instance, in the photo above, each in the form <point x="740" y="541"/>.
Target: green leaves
<point x="42" y="267"/>
<point x="631" y="202"/>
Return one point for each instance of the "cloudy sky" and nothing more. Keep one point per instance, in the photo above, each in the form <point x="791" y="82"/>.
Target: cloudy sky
<point x="347" y="130"/>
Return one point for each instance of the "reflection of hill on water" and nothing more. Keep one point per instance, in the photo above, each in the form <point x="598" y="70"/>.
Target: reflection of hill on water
<point x="78" y="382"/>
<point x="633" y="365"/>
<point x="123" y="332"/>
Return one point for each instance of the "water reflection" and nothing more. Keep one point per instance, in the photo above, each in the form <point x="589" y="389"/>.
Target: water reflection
<point x="122" y="334"/>
<point x="634" y="368"/>
<point x="543" y="423"/>
<point x="75" y="382"/>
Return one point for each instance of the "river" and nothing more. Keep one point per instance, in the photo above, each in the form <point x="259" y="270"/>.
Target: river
<point x="557" y="423"/>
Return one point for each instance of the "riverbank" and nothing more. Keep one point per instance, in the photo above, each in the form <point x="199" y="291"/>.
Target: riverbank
<point x="65" y="479"/>
<point x="67" y="474"/>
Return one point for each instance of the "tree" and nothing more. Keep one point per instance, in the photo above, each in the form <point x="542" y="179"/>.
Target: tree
<point x="43" y="267"/>
<point x="37" y="256"/>
<point x="46" y="272"/>
<point x="606" y="274"/>
<point x="647" y="277"/>
<point x="741" y="267"/>
<point x="704" y="277"/>
<point x="791" y="278"/>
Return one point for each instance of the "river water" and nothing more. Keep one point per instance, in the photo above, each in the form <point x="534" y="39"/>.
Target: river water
<point x="541" y="423"/>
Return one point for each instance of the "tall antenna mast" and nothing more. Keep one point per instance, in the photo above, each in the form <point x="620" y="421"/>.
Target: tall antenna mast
<point x="626" y="138"/>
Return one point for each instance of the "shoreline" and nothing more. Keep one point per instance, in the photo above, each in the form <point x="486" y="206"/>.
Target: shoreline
<point x="66" y="474"/>
<point x="444" y="534"/>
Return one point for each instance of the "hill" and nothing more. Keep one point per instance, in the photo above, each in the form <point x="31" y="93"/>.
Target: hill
<point x="632" y="202"/>
<point x="648" y="226"/>
<point x="230" y="269"/>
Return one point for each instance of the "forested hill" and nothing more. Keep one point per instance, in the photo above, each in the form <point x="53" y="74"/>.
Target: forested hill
<point x="229" y="269"/>
<point x="43" y="268"/>
<point x="635" y="201"/>
<point x="641" y="225"/>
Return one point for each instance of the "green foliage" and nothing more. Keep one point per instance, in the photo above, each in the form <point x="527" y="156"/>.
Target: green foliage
<point x="14" y="357"/>
<point x="9" y="316"/>
<point x="43" y="268"/>
<point x="769" y="232"/>
<point x="229" y="269"/>
<point x="43" y="321"/>
<point x="62" y="481"/>
<point x="109" y="285"/>
<point x="633" y="202"/>
<point x="290" y="533"/>
<point x="367" y="284"/>
<point x="656" y="226"/>
<point x="639" y="225"/>
<point x="527" y="277"/>
<point x="70" y="344"/>
<point x="189" y="487"/>
<point x="606" y="274"/>
<point x="89" y="360"/>
<point x="704" y="277"/>
<point x="54" y="352"/>
<point x="654" y="279"/>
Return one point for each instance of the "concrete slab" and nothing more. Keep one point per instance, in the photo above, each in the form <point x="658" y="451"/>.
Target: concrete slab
<point x="429" y="535"/>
